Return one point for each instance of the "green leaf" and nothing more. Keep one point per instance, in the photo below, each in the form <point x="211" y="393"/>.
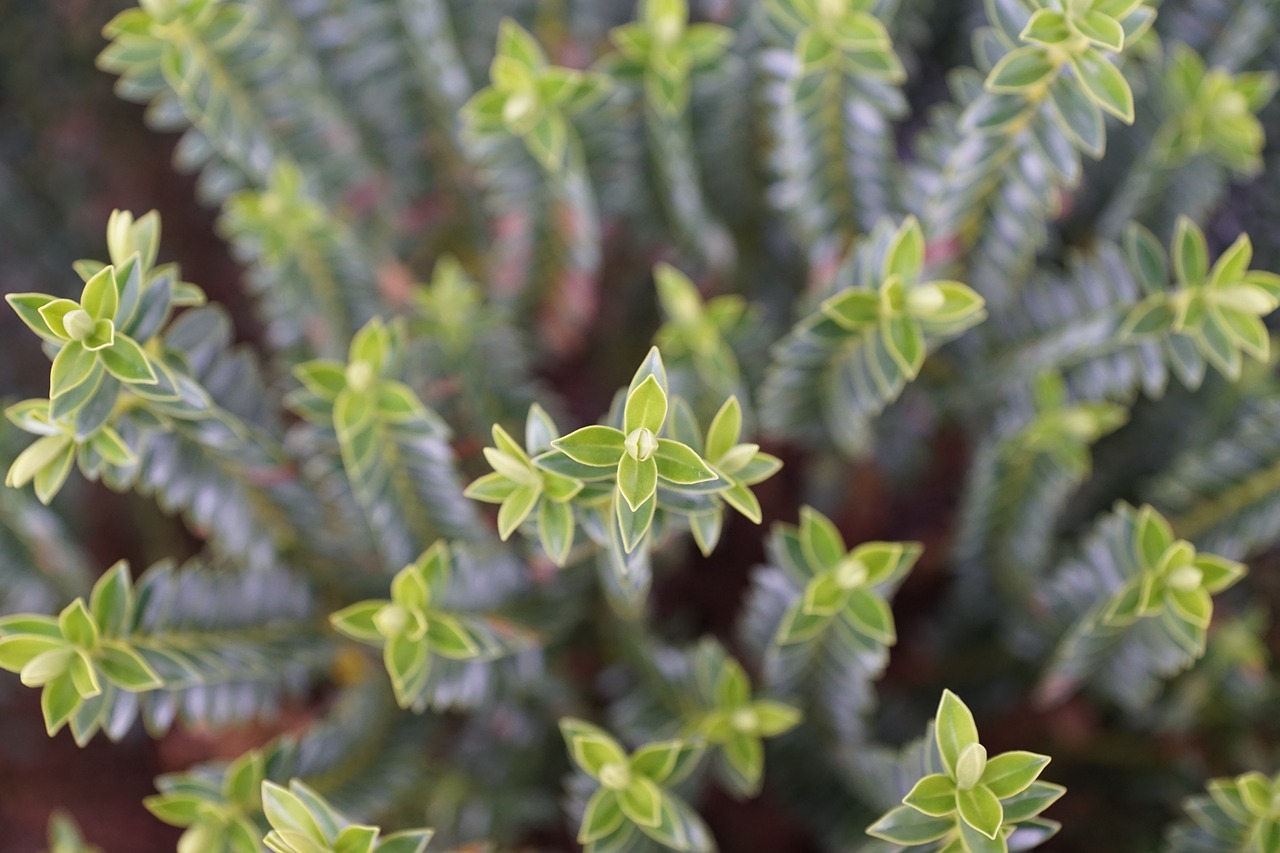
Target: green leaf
<point x="1154" y="537"/>
<point x="745" y="754"/>
<point x="27" y="306"/>
<point x="646" y="407"/>
<point x="725" y="429"/>
<point x="906" y="826"/>
<point x="633" y="524"/>
<point x="77" y="625"/>
<point x="1031" y="802"/>
<point x="774" y="718"/>
<point x="974" y="840"/>
<point x="492" y="488"/>
<point x="71" y="367"/>
<point x="38" y="456"/>
<point x="356" y="839"/>
<point x="174" y="808"/>
<point x="1193" y="605"/>
<point x="55" y="312"/>
<point x="101" y="296"/>
<point x="954" y="729"/>
<point x="823" y="596"/>
<point x="641" y="801"/>
<point x="1047" y="27"/>
<point x="58" y="702"/>
<point x="677" y="463"/>
<point x="356" y="621"/>
<point x="934" y="795"/>
<point x="49" y="479"/>
<point x="981" y="809"/>
<point x="449" y="638"/>
<point x="853" y="309"/>
<point x="904" y="340"/>
<point x="798" y="625"/>
<point x="1011" y="773"/>
<point x="744" y="501"/>
<point x="1020" y="69"/>
<point x="1218" y="573"/>
<point x="18" y="650"/>
<point x="821" y="542"/>
<point x="1100" y="29"/>
<point x="602" y="816"/>
<point x="1104" y="84"/>
<point x="1152" y="316"/>
<point x="555" y="530"/>
<point x="408" y="663"/>
<point x="597" y="446"/>
<point x="1128" y="604"/>
<point x="242" y="782"/>
<point x="870" y="615"/>
<point x="515" y="509"/>
<point x="1190" y="253"/>
<point x="959" y="308"/>
<point x="905" y="255"/>
<point x="287" y="813"/>
<point x="637" y="481"/>
<point x="406" y="841"/>
<point x="397" y="403"/>
<point x="126" y="668"/>
<point x="666" y="762"/>
<point x="126" y="361"/>
<point x="590" y="747"/>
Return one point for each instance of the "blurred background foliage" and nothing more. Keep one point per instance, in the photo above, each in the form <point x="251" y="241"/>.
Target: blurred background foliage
<point x="71" y="151"/>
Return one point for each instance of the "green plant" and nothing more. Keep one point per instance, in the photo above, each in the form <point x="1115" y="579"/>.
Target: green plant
<point x="981" y="401"/>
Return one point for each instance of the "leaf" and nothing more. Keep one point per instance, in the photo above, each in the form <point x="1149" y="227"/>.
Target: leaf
<point x="821" y="542"/>
<point x="1020" y="69"/>
<point x="242" y="783"/>
<point x="39" y="455"/>
<point x="1218" y="573"/>
<point x="976" y="841"/>
<point x="1036" y="798"/>
<point x="666" y="762"/>
<point x="590" y="747"/>
<point x="1079" y="117"/>
<point x="27" y="306"/>
<point x="646" y="407"/>
<point x="980" y="808"/>
<point x="1153" y="535"/>
<point x="126" y="361"/>
<point x="356" y="621"/>
<point x="286" y="812"/>
<point x="515" y="509"/>
<point x="449" y="638"/>
<point x="602" y="816"/>
<point x="824" y="596"/>
<point x="745" y="753"/>
<point x="905" y="342"/>
<point x="853" y="309"/>
<point x="798" y="625"/>
<point x="77" y="625"/>
<point x="18" y="650"/>
<point x="905" y="255"/>
<point x="71" y="367"/>
<point x="101" y="296"/>
<point x="906" y="826"/>
<point x="125" y="668"/>
<point x="1099" y="28"/>
<point x="641" y="801"/>
<point x="596" y="446"/>
<point x="1190" y="253"/>
<point x="870" y="615"/>
<point x="492" y="488"/>
<point x="677" y="463"/>
<point x="49" y="479"/>
<point x="55" y="312"/>
<point x="744" y="501"/>
<point x="725" y="429"/>
<point x="1104" y="84"/>
<point x="175" y="809"/>
<point x="633" y="524"/>
<point x="954" y="729"/>
<point x="555" y="530"/>
<point x="934" y="795"/>
<point x="1193" y="605"/>
<point x="406" y="841"/>
<point x="58" y="702"/>
<point x="1046" y="26"/>
<point x="637" y="481"/>
<point x="1011" y="773"/>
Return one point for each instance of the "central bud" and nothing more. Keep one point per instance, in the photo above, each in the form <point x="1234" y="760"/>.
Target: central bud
<point x="745" y="720"/>
<point x="833" y="10"/>
<point x="850" y="573"/>
<point x="970" y="766"/>
<point x="926" y="299"/>
<point x="641" y="444"/>
<point x="391" y="620"/>
<point x="359" y="376"/>
<point x="615" y="776"/>
<point x="1186" y="578"/>
<point x="668" y="29"/>
<point x="79" y="324"/>
<point x="519" y="108"/>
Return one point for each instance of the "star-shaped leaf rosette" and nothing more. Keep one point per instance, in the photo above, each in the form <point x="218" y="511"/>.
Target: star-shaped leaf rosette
<point x="975" y="803"/>
<point x="1173" y="576"/>
<point x="524" y="490"/>
<point x="304" y="822"/>
<point x="904" y="313"/>
<point x="532" y="99"/>
<point x="416" y="626"/>
<point x="633" y="793"/>
<point x="636" y="458"/>
<point x="1219" y="308"/>
<point x="662" y="49"/>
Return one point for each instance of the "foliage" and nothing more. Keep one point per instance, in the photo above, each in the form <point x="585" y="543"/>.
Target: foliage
<point x="905" y="422"/>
